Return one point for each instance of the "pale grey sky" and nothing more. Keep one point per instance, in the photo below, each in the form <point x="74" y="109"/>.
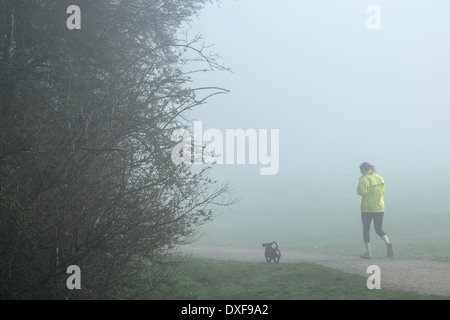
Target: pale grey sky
<point x="339" y="93"/>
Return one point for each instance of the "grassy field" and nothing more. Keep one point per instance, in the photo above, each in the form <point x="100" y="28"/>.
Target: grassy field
<point x="324" y="216"/>
<point x="414" y="235"/>
<point x="319" y="215"/>
<point x="208" y="279"/>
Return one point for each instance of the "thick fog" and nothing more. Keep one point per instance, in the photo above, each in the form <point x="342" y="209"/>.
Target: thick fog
<point x="343" y="82"/>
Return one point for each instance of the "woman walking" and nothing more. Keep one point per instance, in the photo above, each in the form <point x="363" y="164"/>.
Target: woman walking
<point x="371" y="189"/>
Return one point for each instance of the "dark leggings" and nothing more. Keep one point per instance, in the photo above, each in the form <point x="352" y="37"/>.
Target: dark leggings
<point x="366" y="218"/>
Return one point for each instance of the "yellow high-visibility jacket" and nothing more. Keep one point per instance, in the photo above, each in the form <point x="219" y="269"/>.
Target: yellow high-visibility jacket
<point x="371" y="188"/>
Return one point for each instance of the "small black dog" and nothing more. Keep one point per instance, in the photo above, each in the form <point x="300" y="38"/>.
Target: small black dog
<point x="272" y="252"/>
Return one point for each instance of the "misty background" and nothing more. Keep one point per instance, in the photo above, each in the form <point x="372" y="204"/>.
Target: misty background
<point x="340" y="94"/>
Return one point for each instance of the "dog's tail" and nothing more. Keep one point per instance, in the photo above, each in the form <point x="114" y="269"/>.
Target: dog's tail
<point x="276" y="244"/>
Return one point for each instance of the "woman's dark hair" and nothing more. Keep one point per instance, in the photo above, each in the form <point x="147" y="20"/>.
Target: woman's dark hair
<point x="365" y="166"/>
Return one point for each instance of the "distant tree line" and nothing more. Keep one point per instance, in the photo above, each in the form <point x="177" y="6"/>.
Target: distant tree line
<point x="86" y="118"/>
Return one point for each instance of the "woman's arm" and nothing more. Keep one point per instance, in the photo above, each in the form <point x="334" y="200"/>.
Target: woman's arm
<point x="363" y="186"/>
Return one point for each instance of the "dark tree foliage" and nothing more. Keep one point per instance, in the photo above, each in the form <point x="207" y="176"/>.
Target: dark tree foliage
<point x="86" y="118"/>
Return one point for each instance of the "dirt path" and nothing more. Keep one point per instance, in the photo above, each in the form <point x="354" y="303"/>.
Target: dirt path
<point x="422" y="276"/>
